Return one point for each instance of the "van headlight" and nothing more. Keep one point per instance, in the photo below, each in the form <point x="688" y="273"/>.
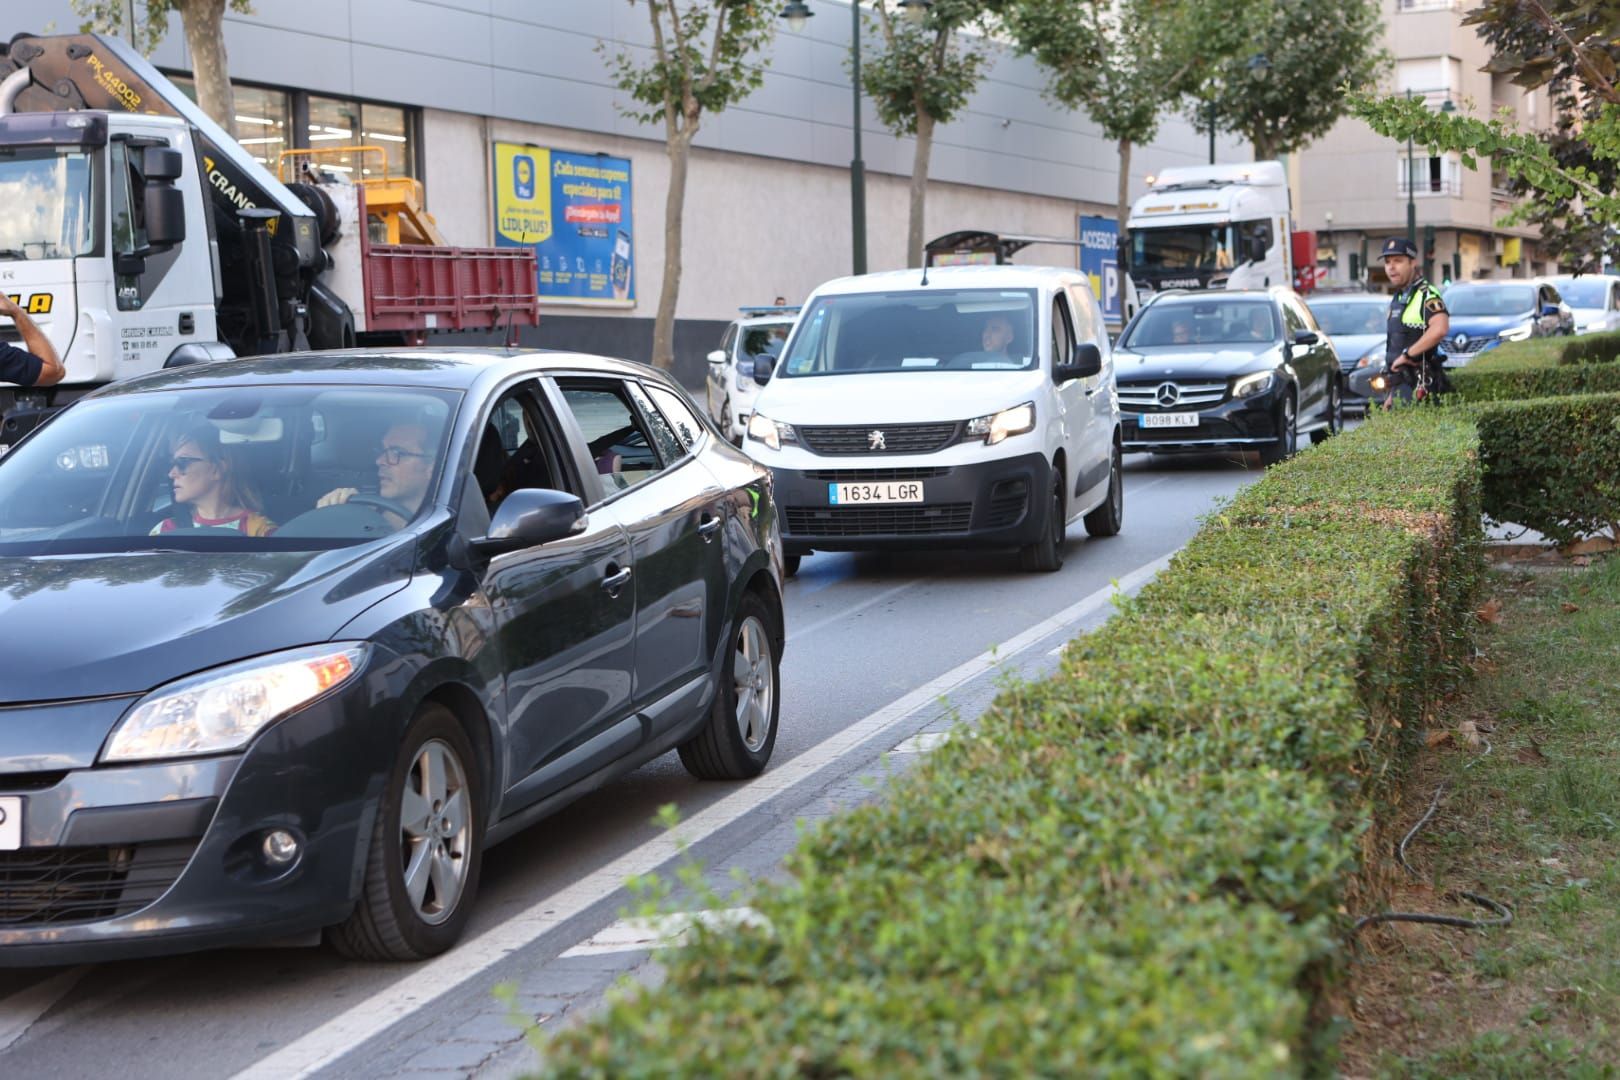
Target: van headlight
<point x="999" y="425"/>
<point x="769" y="432"/>
<point x="1251" y="385"/>
<point x="1518" y="333"/>
<point x="222" y="710"/>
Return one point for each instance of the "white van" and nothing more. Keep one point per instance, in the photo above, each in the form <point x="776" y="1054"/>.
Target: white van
<point x="968" y="406"/>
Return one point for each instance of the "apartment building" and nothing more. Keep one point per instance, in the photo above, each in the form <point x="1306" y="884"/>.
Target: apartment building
<point x="1355" y="186"/>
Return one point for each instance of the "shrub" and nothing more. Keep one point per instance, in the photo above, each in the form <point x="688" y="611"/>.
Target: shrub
<point x="1591" y="348"/>
<point x="1553" y="464"/>
<point x="1544" y="367"/>
<point x="1141" y="865"/>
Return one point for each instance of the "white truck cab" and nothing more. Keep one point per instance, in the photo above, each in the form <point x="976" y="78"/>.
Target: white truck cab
<point x="964" y="406"/>
<point x="1211" y="227"/>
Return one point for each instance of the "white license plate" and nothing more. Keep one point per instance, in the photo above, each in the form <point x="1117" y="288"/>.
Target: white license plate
<point x="1168" y="419"/>
<point x="905" y="491"/>
<point x="10" y="822"/>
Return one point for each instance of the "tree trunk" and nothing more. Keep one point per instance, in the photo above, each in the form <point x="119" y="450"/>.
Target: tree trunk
<point x="1265" y="147"/>
<point x="679" y="147"/>
<point x="1122" y="211"/>
<point x="919" y="188"/>
<point x="204" y="21"/>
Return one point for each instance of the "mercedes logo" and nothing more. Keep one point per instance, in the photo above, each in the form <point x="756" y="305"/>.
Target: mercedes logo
<point x="876" y="441"/>
<point x="1167" y="394"/>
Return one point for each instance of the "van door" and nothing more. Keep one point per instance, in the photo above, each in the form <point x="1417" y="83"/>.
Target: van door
<point x="1090" y="451"/>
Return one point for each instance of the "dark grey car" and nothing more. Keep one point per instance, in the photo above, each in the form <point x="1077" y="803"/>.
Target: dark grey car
<point x="434" y="596"/>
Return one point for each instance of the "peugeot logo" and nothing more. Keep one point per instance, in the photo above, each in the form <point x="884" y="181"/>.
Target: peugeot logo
<point x="876" y="441"/>
<point x="1167" y="394"/>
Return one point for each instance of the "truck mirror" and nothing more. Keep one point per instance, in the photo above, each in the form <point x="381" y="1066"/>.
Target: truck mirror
<point x="161" y="164"/>
<point x="165" y="217"/>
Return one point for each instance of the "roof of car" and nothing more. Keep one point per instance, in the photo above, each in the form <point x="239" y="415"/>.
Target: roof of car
<point x="447" y="368"/>
<point x="1317" y="299"/>
<point x="765" y="320"/>
<point x="1193" y="295"/>
<point x="950" y="277"/>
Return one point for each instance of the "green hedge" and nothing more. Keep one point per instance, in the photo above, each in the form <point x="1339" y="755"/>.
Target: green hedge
<point x="1553" y="464"/>
<point x="1545" y="367"/>
<point x="1143" y="864"/>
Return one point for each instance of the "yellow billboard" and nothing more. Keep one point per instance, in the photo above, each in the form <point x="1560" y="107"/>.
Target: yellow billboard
<point x="522" y="194"/>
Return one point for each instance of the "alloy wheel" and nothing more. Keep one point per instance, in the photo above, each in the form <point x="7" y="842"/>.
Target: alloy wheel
<point x="435" y="825"/>
<point x="755" y="680"/>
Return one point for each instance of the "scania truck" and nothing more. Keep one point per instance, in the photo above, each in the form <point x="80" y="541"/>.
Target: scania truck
<point x="139" y="235"/>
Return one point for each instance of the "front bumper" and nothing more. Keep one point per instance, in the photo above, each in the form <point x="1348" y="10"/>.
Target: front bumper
<point x="164" y="857"/>
<point x="994" y="503"/>
<point x="1240" y="424"/>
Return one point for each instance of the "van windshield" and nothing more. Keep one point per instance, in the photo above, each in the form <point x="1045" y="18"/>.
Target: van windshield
<point x="933" y="330"/>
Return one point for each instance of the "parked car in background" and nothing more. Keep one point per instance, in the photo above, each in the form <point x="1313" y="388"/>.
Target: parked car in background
<point x="730" y="386"/>
<point x="960" y="406"/>
<point x="1593" y="298"/>
<point x="1358" y="325"/>
<point x="1487" y="314"/>
<point x="1248" y="370"/>
<point x="492" y="582"/>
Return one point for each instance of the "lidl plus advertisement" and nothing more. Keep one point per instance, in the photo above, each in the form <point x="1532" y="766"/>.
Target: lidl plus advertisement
<point x="574" y="210"/>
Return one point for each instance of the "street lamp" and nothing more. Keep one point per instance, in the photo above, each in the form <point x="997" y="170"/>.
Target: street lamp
<point x="797" y="14"/>
<point x="915" y="10"/>
<point x="1259" y="70"/>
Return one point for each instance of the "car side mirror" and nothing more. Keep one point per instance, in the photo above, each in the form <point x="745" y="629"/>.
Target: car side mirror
<point x="1549" y="310"/>
<point x="1306" y="337"/>
<point x="1086" y="362"/>
<point x="529" y="517"/>
<point x="764" y="368"/>
<point x="717" y="357"/>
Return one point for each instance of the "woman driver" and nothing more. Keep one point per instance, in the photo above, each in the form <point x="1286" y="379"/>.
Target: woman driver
<point x="209" y="491"/>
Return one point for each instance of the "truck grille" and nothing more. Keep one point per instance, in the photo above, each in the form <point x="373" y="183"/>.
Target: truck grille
<point x="79" y="884"/>
<point x="879" y="520"/>
<point x="1167" y="394"/>
<point x="897" y="438"/>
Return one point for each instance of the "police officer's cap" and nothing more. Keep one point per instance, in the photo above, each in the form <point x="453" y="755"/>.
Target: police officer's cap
<point x="1399" y="245"/>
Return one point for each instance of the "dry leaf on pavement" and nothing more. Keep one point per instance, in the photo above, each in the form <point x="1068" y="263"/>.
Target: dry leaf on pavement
<point x="1436" y="737"/>
<point x="1491" y="612"/>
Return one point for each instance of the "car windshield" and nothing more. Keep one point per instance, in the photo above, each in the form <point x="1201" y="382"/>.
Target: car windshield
<point x="1195" y="247"/>
<point x="1203" y="322"/>
<point x="1358" y="317"/>
<point x="1585" y="292"/>
<point x="765" y="339"/>
<point x="936" y="330"/>
<point x="46" y="193"/>
<point x="1490" y="299"/>
<point x="229" y="469"/>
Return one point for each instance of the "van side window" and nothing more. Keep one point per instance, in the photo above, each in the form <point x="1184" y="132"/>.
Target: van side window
<point x="1062" y="332"/>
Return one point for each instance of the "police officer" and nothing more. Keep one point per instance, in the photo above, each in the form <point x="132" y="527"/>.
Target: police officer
<point x="1418" y="322"/>
<point x="38" y="364"/>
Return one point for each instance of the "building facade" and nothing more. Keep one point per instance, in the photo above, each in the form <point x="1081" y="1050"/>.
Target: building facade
<point x="437" y="85"/>
<point x="1355" y="185"/>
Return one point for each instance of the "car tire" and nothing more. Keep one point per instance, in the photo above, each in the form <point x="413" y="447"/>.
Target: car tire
<point x="1335" y="415"/>
<point x="790" y="565"/>
<point x="725" y="420"/>
<point x="1287" y="441"/>
<point x="1045" y="555"/>
<point x="736" y="739"/>
<point x="436" y="766"/>
<point x="1107" y="518"/>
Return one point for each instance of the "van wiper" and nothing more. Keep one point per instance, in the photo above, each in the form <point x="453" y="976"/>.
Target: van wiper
<point x="13" y="253"/>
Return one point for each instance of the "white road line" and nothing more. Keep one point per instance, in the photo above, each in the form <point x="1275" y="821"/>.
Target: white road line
<point x="921" y="744"/>
<point x="795" y="632"/>
<point x="661" y="931"/>
<point x="430" y="981"/>
<point x="21" y="1010"/>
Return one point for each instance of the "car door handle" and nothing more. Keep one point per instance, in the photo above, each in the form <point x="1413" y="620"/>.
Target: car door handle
<point x="708" y="526"/>
<point x="614" y="582"/>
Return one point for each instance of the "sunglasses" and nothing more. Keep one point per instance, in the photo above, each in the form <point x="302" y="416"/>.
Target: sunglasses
<point x="181" y="464"/>
<point x="393" y="455"/>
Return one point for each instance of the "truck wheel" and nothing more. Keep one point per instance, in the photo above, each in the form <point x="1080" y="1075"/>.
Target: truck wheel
<point x="1045" y="555"/>
<point x="426" y="848"/>
<point x="1107" y="518"/>
<point x="1287" y="440"/>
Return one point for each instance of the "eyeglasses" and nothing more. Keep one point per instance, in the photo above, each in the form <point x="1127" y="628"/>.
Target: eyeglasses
<point x="393" y="455"/>
<point x="181" y="464"/>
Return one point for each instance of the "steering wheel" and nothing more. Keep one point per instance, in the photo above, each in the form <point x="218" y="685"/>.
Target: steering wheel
<point x="381" y="505"/>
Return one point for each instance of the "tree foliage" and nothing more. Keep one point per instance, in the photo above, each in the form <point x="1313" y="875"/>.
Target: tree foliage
<point x="1566" y="175"/>
<point x="1314" y="49"/>
<point x="113" y="17"/>
<point x="704" y="58"/>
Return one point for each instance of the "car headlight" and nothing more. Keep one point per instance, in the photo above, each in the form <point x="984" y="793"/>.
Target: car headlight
<point x="769" y="432"/>
<point x="1250" y="385"/>
<point x="1518" y="333"/>
<point x="222" y="710"/>
<point x="999" y="425"/>
<point x="1373" y="357"/>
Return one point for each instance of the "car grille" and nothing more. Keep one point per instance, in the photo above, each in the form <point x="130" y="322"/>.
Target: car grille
<point x="879" y="520"/>
<point x="873" y="476"/>
<point x="1472" y="345"/>
<point x="78" y="884"/>
<point x="1145" y="396"/>
<point x="897" y="438"/>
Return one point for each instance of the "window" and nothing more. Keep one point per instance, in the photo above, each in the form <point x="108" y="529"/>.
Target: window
<point x="619" y="447"/>
<point x="514" y="451"/>
<point x="263" y="118"/>
<point x="1085" y="322"/>
<point x="345" y="126"/>
<point x="670" y="446"/>
<point x="1292" y="319"/>
<point x="127" y="232"/>
<point x="1062" y="332"/>
<point x="680" y="416"/>
<point x="1430" y="175"/>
